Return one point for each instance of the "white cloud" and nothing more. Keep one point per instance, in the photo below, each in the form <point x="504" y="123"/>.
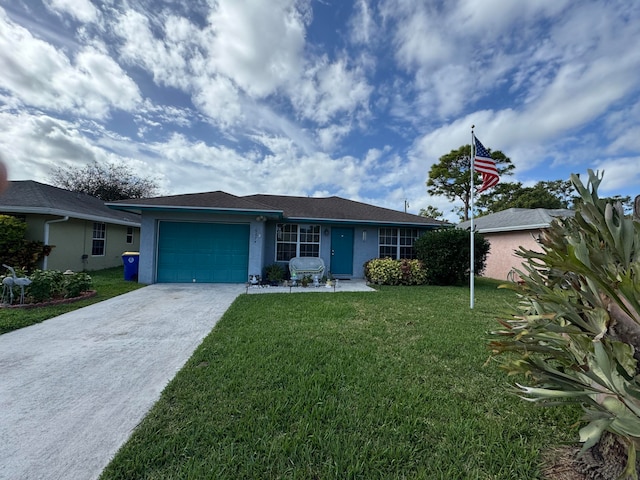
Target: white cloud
<point x="329" y="137"/>
<point x="100" y="82"/>
<point x="248" y="51"/>
<point x="193" y="166"/>
<point x="447" y="92"/>
<point x="619" y="173"/>
<point x="458" y="52"/>
<point x="623" y="129"/>
<point x="46" y="143"/>
<point x="81" y="10"/>
<point x="151" y="115"/>
<point x="254" y="45"/>
<point x="330" y="89"/>
<point x="422" y="41"/>
<point x="575" y="90"/>
<point x="265" y="119"/>
<point x="284" y="170"/>
<point x="167" y="62"/>
<point x="40" y="75"/>
<point x="219" y="98"/>
<point x="495" y="16"/>
<point x="257" y="44"/>
<point x="362" y="25"/>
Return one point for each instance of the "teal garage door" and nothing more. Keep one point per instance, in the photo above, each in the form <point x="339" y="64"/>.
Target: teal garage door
<point x="202" y="252"/>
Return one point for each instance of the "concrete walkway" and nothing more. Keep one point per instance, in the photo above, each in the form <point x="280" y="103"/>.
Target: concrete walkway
<point x="73" y="388"/>
<point x="356" y="285"/>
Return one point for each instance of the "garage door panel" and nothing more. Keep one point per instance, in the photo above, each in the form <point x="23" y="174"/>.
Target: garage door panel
<point x="206" y="252"/>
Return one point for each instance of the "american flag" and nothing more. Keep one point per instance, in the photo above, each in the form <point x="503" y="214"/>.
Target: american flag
<point x="484" y="164"/>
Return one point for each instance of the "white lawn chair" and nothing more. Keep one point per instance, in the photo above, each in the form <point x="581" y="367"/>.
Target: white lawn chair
<point x="299" y="267"/>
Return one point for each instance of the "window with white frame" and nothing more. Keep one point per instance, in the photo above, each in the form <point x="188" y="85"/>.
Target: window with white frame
<point x="397" y="243"/>
<point x="297" y="241"/>
<point x="98" y="239"/>
<point x="129" y="238"/>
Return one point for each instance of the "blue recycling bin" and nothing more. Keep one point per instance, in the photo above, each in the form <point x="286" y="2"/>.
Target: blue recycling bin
<point x="131" y="261"/>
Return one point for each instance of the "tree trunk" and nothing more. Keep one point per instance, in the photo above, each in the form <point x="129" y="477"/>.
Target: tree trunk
<point x="606" y="460"/>
<point x="467" y="203"/>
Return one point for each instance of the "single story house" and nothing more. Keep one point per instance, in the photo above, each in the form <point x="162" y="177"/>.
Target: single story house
<point x="84" y="233"/>
<point x="509" y="230"/>
<point x="217" y="237"/>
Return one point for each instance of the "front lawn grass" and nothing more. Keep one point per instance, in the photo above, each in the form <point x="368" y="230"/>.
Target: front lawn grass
<point x="384" y="385"/>
<point x="107" y="283"/>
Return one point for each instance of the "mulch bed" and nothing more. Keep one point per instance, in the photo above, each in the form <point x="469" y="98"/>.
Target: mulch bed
<point x="560" y="464"/>
<point x="55" y="301"/>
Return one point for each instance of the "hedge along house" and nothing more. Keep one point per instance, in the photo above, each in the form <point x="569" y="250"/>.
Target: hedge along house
<point x="84" y="233"/>
<point x="509" y="230"/>
<point x="217" y="237"/>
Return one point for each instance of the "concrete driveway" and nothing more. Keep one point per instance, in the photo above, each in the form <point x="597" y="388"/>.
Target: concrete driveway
<point x="73" y="388"/>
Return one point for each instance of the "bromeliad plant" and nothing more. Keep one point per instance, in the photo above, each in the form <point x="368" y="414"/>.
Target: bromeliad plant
<point x="576" y="331"/>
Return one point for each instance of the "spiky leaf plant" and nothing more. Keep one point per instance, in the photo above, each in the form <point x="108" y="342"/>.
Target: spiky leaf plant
<point x="575" y="333"/>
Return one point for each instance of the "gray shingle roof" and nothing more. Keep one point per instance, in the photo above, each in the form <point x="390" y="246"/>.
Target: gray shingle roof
<point x="337" y="208"/>
<point x="514" y="219"/>
<point x="210" y="201"/>
<point x="280" y="206"/>
<point x="30" y="197"/>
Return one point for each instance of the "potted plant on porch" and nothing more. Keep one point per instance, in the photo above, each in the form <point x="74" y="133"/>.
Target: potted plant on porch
<point x="274" y="274"/>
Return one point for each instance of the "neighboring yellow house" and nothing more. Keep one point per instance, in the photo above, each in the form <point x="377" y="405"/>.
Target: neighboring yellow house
<point x="85" y="235"/>
<point x="509" y="230"/>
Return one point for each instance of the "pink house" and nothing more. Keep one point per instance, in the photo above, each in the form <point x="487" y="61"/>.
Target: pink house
<point x="509" y="230"/>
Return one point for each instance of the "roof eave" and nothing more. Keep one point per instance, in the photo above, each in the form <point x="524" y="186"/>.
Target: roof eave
<point x="66" y="213"/>
<point x="513" y="228"/>
<point x="363" y="222"/>
<point x="186" y="209"/>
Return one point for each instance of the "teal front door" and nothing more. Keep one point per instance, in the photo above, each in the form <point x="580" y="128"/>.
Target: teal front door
<point x="202" y="252"/>
<point x="342" y="251"/>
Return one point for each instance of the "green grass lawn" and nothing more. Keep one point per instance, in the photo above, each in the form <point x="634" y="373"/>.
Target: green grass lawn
<point x="391" y="384"/>
<point x="107" y="283"/>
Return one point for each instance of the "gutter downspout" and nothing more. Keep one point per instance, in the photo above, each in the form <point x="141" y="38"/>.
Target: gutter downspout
<point x="46" y="236"/>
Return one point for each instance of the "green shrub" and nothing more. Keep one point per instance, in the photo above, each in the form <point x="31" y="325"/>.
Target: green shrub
<point x="274" y="273"/>
<point x="11" y="233"/>
<point x="50" y="284"/>
<point x="446" y="254"/>
<point x="46" y="284"/>
<point x="413" y="272"/>
<point x="386" y="271"/>
<point x="77" y="283"/>
<point x="14" y="249"/>
<point x="382" y="271"/>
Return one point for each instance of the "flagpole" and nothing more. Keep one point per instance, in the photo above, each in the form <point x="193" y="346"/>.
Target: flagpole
<point x="471" y="266"/>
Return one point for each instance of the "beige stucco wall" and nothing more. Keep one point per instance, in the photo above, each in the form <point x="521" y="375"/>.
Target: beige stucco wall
<point x="73" y="238"/>
<point x="501" y="258"/>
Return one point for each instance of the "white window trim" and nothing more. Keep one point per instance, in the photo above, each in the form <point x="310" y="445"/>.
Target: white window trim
<point x="298" y="243"/>
<point x="127" y="235"/>
<point x="398" y="246"/>
<point x="104" y="239"/>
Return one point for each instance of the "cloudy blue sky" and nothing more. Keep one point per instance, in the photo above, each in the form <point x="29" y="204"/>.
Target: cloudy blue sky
<point x="356" y="98"/>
